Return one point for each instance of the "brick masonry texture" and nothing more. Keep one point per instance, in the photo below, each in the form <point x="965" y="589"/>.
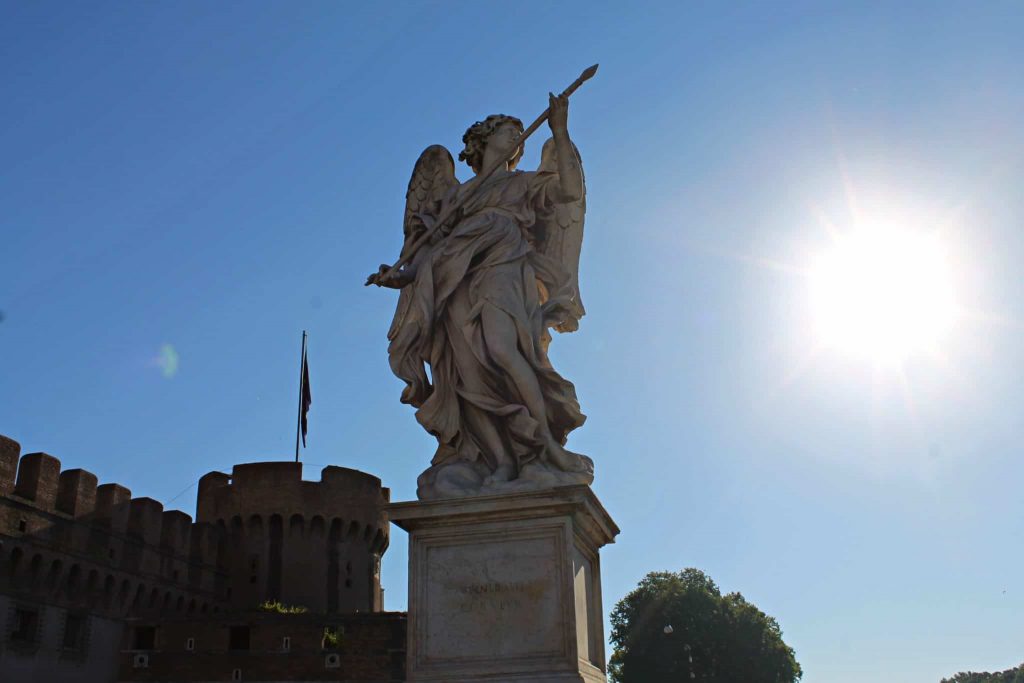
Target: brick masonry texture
<point x="72" y="546"/>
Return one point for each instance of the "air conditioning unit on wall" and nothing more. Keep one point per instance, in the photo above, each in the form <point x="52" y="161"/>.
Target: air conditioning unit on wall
<point x="140" y="661"/>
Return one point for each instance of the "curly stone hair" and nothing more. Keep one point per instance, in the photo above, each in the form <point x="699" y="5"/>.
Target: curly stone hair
<point x="476" y="140"/>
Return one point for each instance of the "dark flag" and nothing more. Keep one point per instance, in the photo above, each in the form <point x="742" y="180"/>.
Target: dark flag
<point x="307" y="396"/>
<point x="305" y="399"/>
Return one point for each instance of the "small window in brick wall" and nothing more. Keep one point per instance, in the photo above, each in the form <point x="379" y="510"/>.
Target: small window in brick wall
<point x="190" y="644"/>
<point x="22" y="525"/>
<point x="145" y="638"/>
<point x="74" y="632"/>
<point x="236" y="674"/>
<point x="286" y="643"/>
<point x="25" y="626"/>
<point x="238" y="638"/>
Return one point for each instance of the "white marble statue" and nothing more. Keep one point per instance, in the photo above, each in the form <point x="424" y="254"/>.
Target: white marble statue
<point x="487" y="268"/>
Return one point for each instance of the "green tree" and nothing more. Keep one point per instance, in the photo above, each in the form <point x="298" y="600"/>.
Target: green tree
<point x="1015" y="675"/>
<point x="678" y="626"/>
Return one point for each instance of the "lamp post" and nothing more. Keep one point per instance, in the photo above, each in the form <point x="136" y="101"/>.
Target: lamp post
<point x="668" y="630"/>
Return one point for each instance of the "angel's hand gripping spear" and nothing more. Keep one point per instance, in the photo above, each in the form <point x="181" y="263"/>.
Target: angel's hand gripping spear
<point x="385" y="273"/>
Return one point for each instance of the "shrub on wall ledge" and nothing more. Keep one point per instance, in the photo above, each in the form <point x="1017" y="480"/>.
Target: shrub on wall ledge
<point x="281" y="608"/>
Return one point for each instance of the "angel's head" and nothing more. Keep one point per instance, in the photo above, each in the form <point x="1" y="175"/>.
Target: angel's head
<point x="501" y="129"/>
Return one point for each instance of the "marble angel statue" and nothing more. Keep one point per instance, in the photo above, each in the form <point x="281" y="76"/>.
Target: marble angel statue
<point x="479" y="293"/>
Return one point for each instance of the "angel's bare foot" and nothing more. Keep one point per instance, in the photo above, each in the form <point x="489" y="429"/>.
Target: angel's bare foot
<point x="502" y="473"/>
<point x="564" y="459"/>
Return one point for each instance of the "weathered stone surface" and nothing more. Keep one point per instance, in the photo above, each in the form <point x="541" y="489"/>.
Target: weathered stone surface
<point x="488" y="267"/>
<point x="506" y="588"/>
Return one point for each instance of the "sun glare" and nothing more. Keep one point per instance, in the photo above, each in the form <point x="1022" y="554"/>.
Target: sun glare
<point x="882" y="292"/>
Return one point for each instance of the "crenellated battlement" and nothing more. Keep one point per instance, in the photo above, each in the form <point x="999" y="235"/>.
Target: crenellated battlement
<point x="9" y="452"/>
<point x="311" y="543"/>
<point x="175" y="532"/>
<point x="261" y="533"/>
<point x="60" y="526"/>
<point x="264" y="487"/>
<point x="76" y="492"/>
<point x="38" y="477"/>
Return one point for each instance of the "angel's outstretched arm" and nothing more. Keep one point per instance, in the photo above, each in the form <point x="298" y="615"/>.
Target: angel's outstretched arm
<point x="569" y="174"/>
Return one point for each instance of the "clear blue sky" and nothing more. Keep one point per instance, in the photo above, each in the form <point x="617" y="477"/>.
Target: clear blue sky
<point x="219" y="176"/>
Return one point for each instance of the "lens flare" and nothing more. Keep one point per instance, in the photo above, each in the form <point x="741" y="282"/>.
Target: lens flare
<point x="882" y="292"/>
<point x="167" y="361"/>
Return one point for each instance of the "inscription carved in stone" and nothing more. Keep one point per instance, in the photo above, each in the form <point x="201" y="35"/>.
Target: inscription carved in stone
<point x="483" y="593"/>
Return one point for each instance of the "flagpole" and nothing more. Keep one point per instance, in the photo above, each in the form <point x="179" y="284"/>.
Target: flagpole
<point x="298" y="421"/>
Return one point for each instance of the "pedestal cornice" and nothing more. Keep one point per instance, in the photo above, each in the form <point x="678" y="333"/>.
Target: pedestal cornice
<point x="578" y="501"/>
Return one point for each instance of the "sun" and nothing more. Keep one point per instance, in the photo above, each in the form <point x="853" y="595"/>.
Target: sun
<point x="882" y="291"/>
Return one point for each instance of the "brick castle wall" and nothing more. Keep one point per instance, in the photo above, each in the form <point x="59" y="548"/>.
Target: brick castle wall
<point x="70" y="541"/>
<point x="275" y="647"/>
<point x="317" y="544"/>
<point x="73" y="550"/>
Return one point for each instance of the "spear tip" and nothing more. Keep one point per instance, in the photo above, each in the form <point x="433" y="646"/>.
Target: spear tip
<point x="588" y="73"/>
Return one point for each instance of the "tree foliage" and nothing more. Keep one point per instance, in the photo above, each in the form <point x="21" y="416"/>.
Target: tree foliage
<point x="713" y="637"/>
<point x="1015" y="675"/>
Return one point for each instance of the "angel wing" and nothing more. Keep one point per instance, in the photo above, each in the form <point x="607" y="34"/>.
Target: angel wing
<point x="560" y="237"/>
<point x="433" y="176"/>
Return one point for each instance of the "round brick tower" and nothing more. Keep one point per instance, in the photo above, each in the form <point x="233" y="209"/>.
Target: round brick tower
<point x="315" y="544"/>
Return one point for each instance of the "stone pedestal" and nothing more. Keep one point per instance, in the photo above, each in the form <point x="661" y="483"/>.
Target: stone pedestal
<point x="506" y="588"/>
